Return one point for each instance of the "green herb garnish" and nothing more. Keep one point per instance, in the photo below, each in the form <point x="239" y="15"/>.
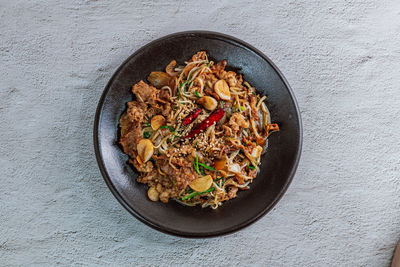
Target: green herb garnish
<point x="197" y="94"/>
<point x="242" y="108"/>
<point x="251" y="167"/>
<point x="183" y="84"/>
<point x="196" y="164"/>
<point x="197" y="193"/>
<point x="147" y="125"/>
<point x="207" y="167"/>
<point x="146" y="135"/>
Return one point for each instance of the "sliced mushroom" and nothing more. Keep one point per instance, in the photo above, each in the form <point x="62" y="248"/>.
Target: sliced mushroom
<point x="221" y="88"/>
<point x="159" y="78"/>
<point x="208" y="102"/>
<point x="170" y="68"/>
<point x="157" y="121"/>
<point x="145" y="150"/>
<point x="201" y="184"/>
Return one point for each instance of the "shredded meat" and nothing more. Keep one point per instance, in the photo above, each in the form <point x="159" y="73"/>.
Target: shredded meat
<point x="163" y="95"/>
<point x="146" y="167"/>
<point x="253" y="103"/>
<point x="232" y="192"/>
<point x="237" y="121"/>
<point x="201" y="55"/>
<point x="148" y="177"/>
<point x="129" y="141"/>
<point x="219" y="69"/>
<point x="144" y="92"/>
<point x="181" y="167"/>
<point x="136" y="111"/>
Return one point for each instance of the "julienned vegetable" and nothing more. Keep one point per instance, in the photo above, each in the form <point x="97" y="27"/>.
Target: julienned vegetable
<point x="192" y="195"/>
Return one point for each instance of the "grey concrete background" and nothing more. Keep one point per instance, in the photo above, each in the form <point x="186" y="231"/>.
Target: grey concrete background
<point x="342" y="59"/>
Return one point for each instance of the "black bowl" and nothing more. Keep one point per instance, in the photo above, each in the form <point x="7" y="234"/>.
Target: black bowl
<point x="278" y="164"/>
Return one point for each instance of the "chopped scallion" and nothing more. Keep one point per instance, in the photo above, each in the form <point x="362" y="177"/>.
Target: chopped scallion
<point x="207" y="167"/>
<point x="196" y="164"/>
<point x="197" y="193"/>
<point x="251" y="167"/>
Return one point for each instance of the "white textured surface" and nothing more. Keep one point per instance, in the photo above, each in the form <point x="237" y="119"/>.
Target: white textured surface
<point x="342" y="59"/>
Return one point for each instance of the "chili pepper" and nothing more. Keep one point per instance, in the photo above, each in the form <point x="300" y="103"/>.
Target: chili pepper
<point x="191" y="117"/>
<point x="213" y="118"/>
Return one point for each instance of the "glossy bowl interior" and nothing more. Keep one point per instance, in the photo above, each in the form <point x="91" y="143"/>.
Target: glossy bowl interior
<point x="278" y="164"/>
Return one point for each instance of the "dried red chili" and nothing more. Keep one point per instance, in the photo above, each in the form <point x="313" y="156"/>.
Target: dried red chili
<point x="191" y="117"/>
<point x="213" y="118"/>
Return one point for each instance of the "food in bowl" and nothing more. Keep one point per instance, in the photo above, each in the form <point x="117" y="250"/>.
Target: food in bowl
<point x="196" y="132"/>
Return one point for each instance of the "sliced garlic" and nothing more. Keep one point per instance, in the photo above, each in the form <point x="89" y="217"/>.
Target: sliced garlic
<point x="157" y="121"/>
<point x="139" y="159"/>
<point x="222" y="90"/>
<point x="145" y="149"/>
<point x="170" y="68"/>
<point x="208" y="102"/>
<point x="201" y="184"/>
